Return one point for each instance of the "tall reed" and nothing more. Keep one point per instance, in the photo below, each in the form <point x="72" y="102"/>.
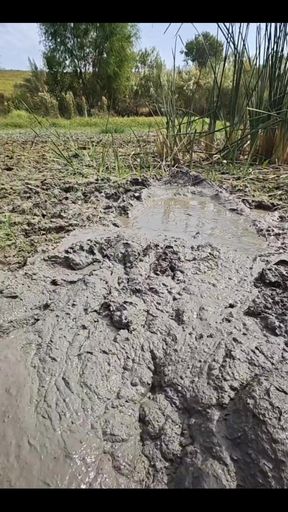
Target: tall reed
<point x="254" y="125"/>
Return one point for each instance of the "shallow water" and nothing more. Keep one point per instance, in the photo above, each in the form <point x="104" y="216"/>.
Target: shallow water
<point x="174" y="211"/>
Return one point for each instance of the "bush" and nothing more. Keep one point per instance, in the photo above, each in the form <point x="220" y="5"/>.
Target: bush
<point x="42" y="104"/>
<point x="2" y="104"/>
<point x="67" y="106"/>
<point x="18" y="119"/>
<point x="6" y="105"/>
<point x="125" y="108"/>
<point x="193" y="90"/>
<point x="81" y="106"/>
<point x="9" y="106"/>
<point x="45" y="105"/>
<point x="103" y="105"/>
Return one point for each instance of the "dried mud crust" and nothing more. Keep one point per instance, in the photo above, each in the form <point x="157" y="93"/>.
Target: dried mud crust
<point x="127" y="362"/>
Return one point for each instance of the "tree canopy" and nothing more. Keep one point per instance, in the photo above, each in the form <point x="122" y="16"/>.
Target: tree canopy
<point x="90" y="59"/>
<point x="203" y="48"/>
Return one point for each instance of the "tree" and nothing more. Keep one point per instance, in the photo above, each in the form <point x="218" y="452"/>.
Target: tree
<point x="147" y="60"/>
<point x="90" y="59"/>
<point x="149" y="69"/>
<point x="202" y="49"/>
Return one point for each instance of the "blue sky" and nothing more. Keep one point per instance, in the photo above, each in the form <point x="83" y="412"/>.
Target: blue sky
<point x="18" y="41"/>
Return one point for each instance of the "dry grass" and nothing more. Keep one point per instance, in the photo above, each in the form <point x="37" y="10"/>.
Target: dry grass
<point x="10" y="78"/>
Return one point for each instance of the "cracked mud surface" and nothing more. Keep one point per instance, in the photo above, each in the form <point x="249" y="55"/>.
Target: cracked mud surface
<point x="133" y="357"/>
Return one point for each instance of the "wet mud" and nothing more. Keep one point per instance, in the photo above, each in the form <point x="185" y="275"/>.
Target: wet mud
<point x="150" y="350"/>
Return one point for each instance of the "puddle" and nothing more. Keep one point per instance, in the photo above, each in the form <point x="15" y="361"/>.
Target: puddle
<point x="176" y="212"/>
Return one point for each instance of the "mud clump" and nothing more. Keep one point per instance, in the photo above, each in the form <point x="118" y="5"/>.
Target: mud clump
<point x="78" y="256"/>
<point x="127" y="362"/>
<point x="271" y="304"/>
<point x="183" y="176"/>
<point x="167" y="262"/>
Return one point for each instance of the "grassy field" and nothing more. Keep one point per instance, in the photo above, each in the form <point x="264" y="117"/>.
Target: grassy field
<point x="24" y="120"/>
<point x="9" y="78"/>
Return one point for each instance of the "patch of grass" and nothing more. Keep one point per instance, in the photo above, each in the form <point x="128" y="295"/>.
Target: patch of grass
<point x="104" y="124"/>
<point x="112" y="129"/>
<point x="7" y="235"/>
<point x="9" y="78"/>
<point x="17" y="119"/>
<point x="267" y="185"/>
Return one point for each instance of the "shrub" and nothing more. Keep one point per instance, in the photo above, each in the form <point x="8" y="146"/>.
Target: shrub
<point x="45" y="105"/>
<point x="18" y="119"/>
<point x="67" y="106"/>
<point x="2" y="104"/>
<point x="81" y="106"/>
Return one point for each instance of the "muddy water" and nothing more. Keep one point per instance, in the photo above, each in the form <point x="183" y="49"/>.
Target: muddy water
<point x="128" y="360"/>
<point x="175" y="212"/>
<point x="196" y="216"/>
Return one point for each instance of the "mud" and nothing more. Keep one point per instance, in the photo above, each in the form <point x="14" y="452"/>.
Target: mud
<point x="138" y="354"/>
<point x="42" y="197"/>
<point x="271" y="303"/>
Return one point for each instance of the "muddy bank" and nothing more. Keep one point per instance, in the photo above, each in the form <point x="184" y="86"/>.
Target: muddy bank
<point x="43" y="197"/>
<point x="135" y="355"/>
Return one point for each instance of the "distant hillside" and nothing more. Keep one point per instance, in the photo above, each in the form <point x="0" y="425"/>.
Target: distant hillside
<point x="8" y="78"/>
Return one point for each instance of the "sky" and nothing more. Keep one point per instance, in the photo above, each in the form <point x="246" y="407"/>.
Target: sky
<point x="18" y="41"/>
